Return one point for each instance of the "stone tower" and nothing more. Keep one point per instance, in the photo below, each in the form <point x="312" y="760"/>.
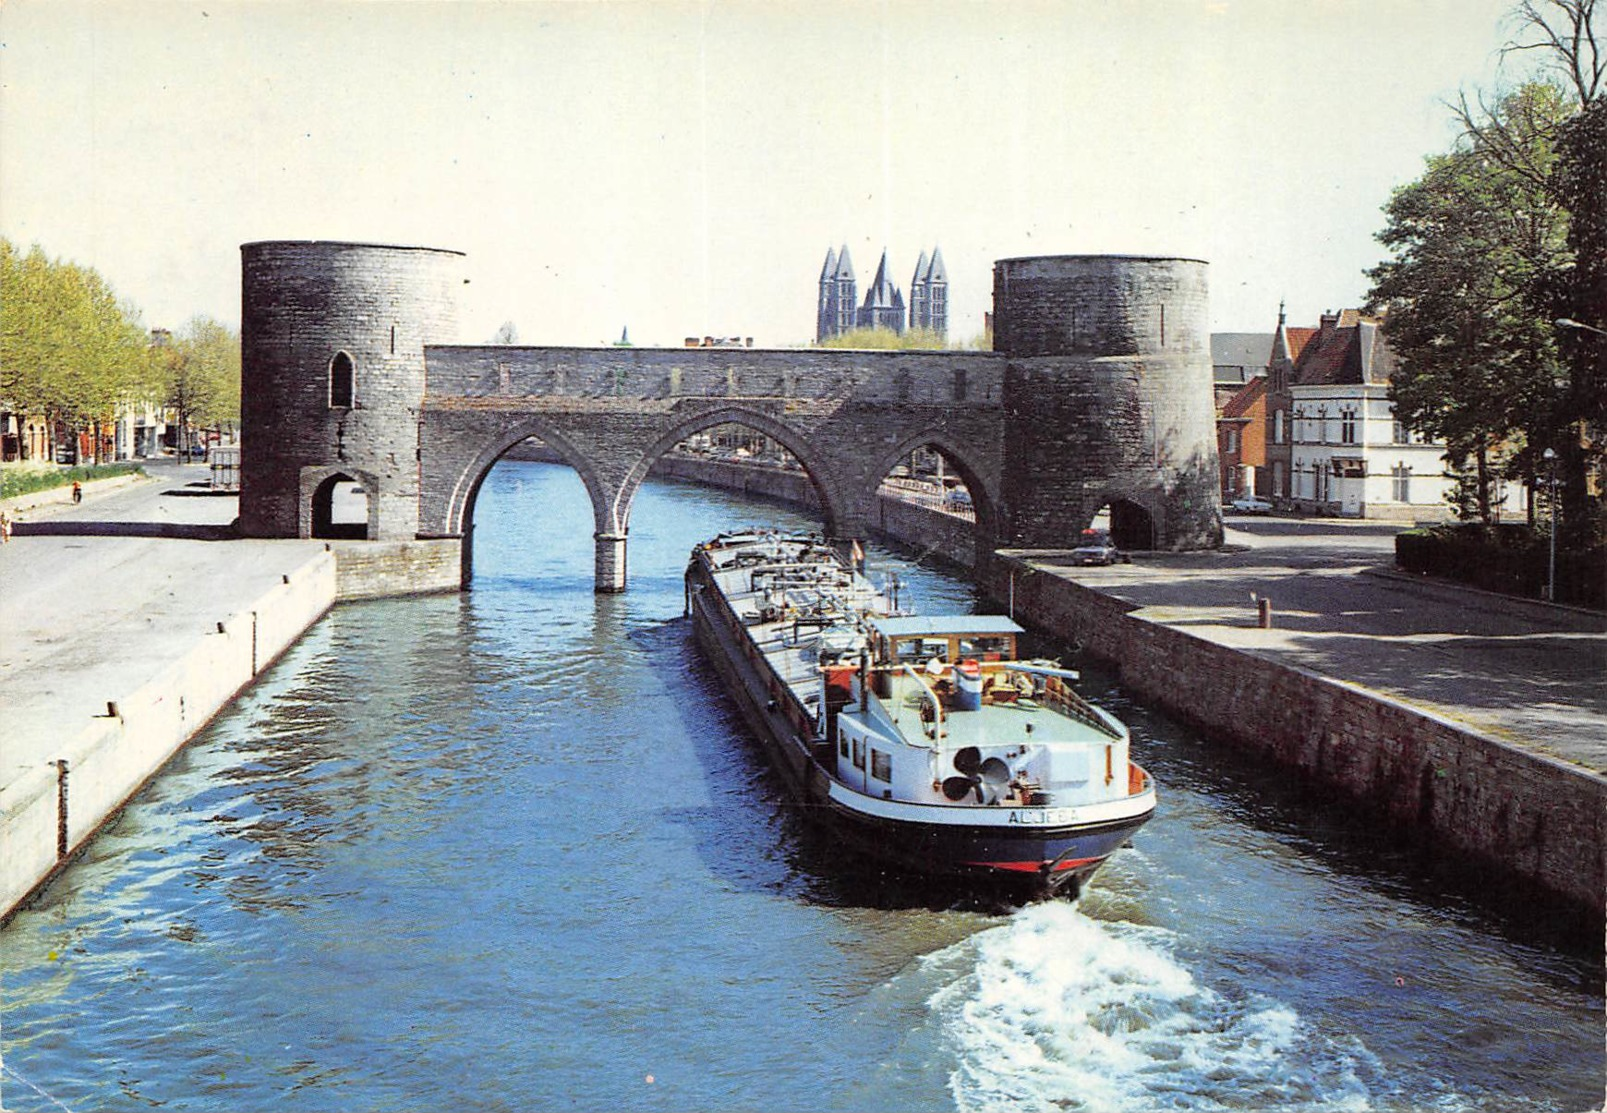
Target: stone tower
<point x="884" y="302"/>
<point x="839" y="295"/>
<point x="929" y="294"/>
<point x="332" y="380"/>
<point x="1108" y="393"/>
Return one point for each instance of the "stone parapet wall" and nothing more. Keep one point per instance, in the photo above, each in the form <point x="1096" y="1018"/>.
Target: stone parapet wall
<point x="671" y="374"/>
<point x="792" y="487"/>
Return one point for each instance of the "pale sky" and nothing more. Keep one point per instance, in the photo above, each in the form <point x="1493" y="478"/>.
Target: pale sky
<point x="681" y="168"/>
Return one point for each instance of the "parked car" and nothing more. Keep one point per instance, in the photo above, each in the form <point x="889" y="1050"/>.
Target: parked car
<point x="1251" y="504"/>
<point x="1096" y="548"/>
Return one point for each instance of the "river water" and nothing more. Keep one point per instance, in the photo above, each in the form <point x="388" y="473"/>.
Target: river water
<point x="513" y="850"/>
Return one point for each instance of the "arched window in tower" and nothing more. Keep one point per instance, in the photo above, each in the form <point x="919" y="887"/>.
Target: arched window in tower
<point x="342" y="382"/>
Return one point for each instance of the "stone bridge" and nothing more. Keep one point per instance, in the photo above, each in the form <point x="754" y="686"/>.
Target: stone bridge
<point x="1098" y="395"/>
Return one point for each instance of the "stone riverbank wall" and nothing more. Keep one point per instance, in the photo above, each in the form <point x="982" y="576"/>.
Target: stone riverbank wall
<point x="1509" y="812"/>
<point x="49" y="814"/>
<point x="1521" y="819"/>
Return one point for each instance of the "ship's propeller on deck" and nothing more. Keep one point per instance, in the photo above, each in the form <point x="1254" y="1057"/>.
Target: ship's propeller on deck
<point x="986" y="779"/>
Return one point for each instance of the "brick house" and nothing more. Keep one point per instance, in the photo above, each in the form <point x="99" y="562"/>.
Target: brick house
<point x="1241" y="431"/>
<point x="1287" y="344"/>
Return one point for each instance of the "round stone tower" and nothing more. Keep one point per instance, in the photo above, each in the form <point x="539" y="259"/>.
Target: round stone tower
<point x="332" y="342"/>
<point x="1108" y="399"/>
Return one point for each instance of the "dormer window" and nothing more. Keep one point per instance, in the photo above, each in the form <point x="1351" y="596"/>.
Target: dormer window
<point x="342" y="382"/>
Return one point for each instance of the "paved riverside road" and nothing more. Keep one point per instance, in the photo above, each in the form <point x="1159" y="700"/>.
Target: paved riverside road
<point x="1522" y="672"/>
<point x="96" y="599"/>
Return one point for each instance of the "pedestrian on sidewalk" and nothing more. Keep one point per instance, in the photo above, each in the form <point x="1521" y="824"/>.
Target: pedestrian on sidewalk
<point x="78" y="491"/>
<point x="5" y="529"/>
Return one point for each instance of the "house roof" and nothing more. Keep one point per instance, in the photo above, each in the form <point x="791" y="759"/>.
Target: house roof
<point x="1345" y="354"/>
<point x="1247" y="396"/>
<point x="1297" y="338"/>
<point x="1240" y="349"/>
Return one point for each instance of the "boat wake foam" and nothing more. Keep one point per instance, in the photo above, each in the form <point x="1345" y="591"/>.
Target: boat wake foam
<point x="1055" y="1010"/>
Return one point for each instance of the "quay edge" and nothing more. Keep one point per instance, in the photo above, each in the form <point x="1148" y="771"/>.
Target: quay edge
<point x="52" y="810"/>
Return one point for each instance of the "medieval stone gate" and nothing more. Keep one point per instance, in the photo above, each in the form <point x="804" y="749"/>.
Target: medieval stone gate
<point x="1098" y="393"/>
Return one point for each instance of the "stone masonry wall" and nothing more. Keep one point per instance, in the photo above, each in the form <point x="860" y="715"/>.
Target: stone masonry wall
<point x="301" y="303"/>
<point x="1108" y="396"/>
<point x="50" y="814"/>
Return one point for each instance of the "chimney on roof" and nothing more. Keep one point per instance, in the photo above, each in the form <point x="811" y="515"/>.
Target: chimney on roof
<point x="1329" y="321"/>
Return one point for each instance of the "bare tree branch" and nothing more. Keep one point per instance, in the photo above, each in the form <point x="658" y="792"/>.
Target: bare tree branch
<point x="1566" y="30"/>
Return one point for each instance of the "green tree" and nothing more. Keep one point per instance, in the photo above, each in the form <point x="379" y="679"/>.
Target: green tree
<point x="201" y="377"/>
<point x="1477" y="244"/>
<point x="887" y="339"/>
<point x="69" y="350"/>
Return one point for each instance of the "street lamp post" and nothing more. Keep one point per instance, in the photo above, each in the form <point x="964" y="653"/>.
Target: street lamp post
<point x="1550" y="457"/>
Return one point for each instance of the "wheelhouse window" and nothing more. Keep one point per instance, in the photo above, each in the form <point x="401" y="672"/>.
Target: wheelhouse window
<point x="342" y="382"/>
<point x="881" y="766"/>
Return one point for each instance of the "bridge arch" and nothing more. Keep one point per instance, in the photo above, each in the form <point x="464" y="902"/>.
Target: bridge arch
<point x="818" y="471"/>
<point x="984" y="494"/>
<point x="466" y="485"/>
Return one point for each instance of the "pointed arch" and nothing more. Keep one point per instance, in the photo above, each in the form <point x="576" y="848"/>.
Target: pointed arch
<point x="342" y="381"/>
<point x="793" y="440"/>
<point x="984" y="498"/>
<point x="466" y="487"/>
<point x="1136" y="518"/>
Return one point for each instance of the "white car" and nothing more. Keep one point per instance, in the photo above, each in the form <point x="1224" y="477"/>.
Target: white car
<point x="1251" y="504"/>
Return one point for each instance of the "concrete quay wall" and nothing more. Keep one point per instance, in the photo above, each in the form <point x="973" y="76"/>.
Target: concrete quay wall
<point x="1509" y="812"/>
<point x="48" y="814"/>
<point x="52" y="810"/>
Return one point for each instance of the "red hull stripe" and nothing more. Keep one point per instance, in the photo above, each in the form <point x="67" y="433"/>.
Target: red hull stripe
<point x="1035" y="867"/>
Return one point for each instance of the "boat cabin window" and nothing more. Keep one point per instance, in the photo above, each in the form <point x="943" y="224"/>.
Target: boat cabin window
<point x="842" y="744"/>
<point x="985" y="648"/>
<point x="981" y="647"/>
<point x="881" y="766"/>
<point x="859" y="754"/>
<point x="918" y="650"/>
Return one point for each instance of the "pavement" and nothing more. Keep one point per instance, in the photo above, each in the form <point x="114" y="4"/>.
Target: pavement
<point x="97" y="598"/>
<point x="1524" y="672"/>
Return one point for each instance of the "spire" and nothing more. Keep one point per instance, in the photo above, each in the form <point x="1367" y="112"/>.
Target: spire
<point x="845" y="265"/>
<point x="921" y="267"/>
<point x="936" y="272"/>
<point x="881" y="275"/>
<point x="830" y="269"/>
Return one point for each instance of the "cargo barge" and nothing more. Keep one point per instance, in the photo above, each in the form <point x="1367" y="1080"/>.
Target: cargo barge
<point x="921" y="741"/>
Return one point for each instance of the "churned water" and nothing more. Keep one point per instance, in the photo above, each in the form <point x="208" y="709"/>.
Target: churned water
<point x="512" y="850"/>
